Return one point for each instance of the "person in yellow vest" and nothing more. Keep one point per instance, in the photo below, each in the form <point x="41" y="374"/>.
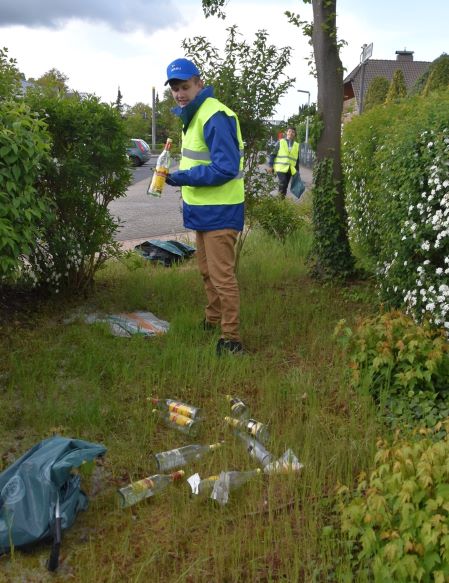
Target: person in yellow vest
<point x="285" y="160"/>
<point x="211" y="179"/>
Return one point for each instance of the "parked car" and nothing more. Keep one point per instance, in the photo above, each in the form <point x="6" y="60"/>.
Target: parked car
<point x="138" y="151"/>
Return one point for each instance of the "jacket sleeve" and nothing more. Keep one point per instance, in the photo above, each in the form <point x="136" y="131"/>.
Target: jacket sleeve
<point x="273" y="155"/>
<point x="220" y="134"/>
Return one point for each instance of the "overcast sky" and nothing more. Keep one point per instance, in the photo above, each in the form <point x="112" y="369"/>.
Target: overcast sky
<point x="103" y="44"/>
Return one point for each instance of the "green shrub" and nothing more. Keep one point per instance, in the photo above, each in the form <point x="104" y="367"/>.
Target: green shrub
<point x="376" y="93"/>
<point x="402" y="365"/>
<point x="24" y="145"/>
<point x="398" y="519"/>
<point x="277" y="216"/>
<point x="397" y="185"/>
<point x="88" y="170"/>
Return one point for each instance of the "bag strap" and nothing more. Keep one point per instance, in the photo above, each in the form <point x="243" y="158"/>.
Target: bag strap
<point x="53" y="560"/>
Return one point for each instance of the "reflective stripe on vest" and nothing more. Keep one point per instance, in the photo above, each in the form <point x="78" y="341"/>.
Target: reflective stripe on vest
<point x="285" y="158"/>
<point x="195" y="152"/>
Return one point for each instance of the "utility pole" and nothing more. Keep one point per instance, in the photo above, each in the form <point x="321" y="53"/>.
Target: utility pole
<point x="153" y="120"/>
<point x="306" y="142"/>
<point x="367" y="51"/>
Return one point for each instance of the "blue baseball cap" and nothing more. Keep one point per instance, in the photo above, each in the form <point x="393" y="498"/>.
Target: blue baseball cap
<point x="181" y="69"/>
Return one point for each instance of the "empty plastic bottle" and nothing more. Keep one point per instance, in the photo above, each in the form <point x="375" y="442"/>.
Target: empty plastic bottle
<point x="175" y="407"/>
<point x="288" y="463"/>
<point x="228" y="481"/>
<point x="176" y="458"/>
<point x="179" y="422"/>
<point x="250" y="426"/>
<point x="145" y="488"/>
<point x="256" y="449"/>
<point x="239" y="409"/>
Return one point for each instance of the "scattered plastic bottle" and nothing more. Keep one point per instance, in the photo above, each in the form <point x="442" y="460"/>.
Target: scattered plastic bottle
<point x="288" y="463"/>
<point x="228" y="481"/>
<point x="145" y="488"/>
<point x="179" y="422"/>
<point x="250" y="426"/>
<point x="239" y="409"/>
<point x="176" y="458"/>
<point x="176" y="407"/>
<point x="224" y="482"/>
<point x="256" y="449"/>
<point x="161" y="171"/>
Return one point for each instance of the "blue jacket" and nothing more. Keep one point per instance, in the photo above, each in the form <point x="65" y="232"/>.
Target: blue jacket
<point x="220" y="135"/>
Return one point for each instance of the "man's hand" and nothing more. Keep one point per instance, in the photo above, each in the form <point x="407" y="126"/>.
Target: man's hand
<point x="270" y="170"/>
<point x="169" y="180"/>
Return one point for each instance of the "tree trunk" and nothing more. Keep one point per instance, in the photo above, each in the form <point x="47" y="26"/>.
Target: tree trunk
<point x="332" y="251"/>
<point x="330" y="88"/>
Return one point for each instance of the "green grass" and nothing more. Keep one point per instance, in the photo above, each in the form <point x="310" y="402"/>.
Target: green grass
<point x="79" y="380"/>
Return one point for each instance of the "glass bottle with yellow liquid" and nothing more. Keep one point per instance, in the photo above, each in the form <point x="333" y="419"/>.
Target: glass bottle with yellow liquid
<point x="161" y="171"/>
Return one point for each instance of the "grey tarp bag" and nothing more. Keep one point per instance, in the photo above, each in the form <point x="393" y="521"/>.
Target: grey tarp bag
<point x="297" y="186"/>
<point x="166" y="252"/>
<point x="40" y="496"/>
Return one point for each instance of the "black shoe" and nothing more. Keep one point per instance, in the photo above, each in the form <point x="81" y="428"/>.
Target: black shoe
<point x="229" y="347"/>
<point x="208" y="326"/>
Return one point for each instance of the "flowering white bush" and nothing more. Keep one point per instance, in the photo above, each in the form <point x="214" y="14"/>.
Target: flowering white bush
<point x="398" y="202"/>
<point x="417" y="268"/>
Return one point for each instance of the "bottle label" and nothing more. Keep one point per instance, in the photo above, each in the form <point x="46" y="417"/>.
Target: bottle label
<point x="142" y="485"/>
<point x="179" y="419"/>
<point x="158" y="180"/>
<point x="170" y="459"/>
<point x="254" y="427"/>
<point x="181" y="409"/>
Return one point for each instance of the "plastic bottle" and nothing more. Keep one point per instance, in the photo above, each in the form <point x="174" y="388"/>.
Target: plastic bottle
<point x="161" y="171"/>
<point x="175" y="407"/>
<point x="239" y="409"/>
<point x="145" y="488"/>
<point x="177" y="421"/>
<point x="250" y="426"/>
<point x="230" y="480"/>
<point x="288" y="463"/>
<point x="176" y="458"/>
<point x="256" y="449"/>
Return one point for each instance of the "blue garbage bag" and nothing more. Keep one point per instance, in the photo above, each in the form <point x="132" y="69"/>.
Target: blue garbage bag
<point x="39" y="488"/>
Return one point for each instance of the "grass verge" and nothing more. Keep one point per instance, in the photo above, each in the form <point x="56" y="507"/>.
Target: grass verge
<point x="78" y="380"/>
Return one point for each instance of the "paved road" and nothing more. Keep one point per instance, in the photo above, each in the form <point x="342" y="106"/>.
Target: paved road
<point x="146" y="217"/>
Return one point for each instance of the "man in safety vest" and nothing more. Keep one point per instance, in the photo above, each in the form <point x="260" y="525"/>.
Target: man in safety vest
<point x="211" y="179"/>
<point x="285" y="160"/>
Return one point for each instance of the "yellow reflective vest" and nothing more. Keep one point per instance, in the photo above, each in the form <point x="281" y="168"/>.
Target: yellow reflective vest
<point x="286" y="159"/>
<point x="196" y="152"/>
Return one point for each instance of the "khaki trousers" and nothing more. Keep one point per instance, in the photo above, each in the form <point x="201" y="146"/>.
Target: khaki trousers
<point x="215" y="251"/>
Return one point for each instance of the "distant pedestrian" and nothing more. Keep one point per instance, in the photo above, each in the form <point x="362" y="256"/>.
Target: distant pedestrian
<point x="284" y="160"/>
<point x="211" y="178"/>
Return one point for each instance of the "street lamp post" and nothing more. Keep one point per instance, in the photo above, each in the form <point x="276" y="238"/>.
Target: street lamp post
<point x="306" y="142"/>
